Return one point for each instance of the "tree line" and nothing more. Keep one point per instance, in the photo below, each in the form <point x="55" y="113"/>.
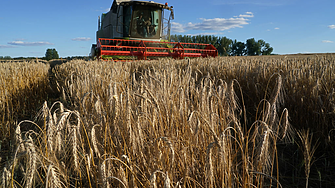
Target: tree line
<point x="49" y="55"/>
<point x="228" y="47"/>
<point x="224" y="45"/>
<point x="5" y="58"/>
<point x="18" y="58"/>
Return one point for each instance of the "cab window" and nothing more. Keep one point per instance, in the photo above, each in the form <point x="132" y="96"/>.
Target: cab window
<point x="146" y="22"/>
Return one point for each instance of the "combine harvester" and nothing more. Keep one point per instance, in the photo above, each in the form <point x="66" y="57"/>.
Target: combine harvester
<point x="134" y="30"/>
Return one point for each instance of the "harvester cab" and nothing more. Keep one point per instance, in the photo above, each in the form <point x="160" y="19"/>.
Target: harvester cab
<point x="141" y="30"/>
<point x="135" y="20"/>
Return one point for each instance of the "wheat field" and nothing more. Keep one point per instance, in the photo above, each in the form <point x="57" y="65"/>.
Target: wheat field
<point x="215" y="122"/>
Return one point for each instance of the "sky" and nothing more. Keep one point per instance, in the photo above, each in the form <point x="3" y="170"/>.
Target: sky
<point x="28" y="28"/>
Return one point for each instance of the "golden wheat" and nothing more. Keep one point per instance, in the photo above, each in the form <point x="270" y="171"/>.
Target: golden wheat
<point x="188" y="123"/>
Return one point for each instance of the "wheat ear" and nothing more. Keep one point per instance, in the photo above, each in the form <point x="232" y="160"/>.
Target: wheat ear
<point x="167" y="181"/>
<point x="153" y="180"/>
<point x="104" y="175"/>
<point x="32" y="162"/>
<point x="209" y="165"/>
<point x="308" y="151"/>
<point x="6" y="177"/>
<point x="54" y="177"/>
<point x="95" y="141"/>
<point x="276" y="97"/>
<point x="18" y="139"/>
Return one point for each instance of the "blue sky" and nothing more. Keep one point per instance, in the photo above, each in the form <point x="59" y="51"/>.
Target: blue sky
<point x="28" y="28"/>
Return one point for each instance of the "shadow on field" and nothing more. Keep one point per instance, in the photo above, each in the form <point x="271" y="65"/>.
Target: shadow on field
<point x="55" y="62"/>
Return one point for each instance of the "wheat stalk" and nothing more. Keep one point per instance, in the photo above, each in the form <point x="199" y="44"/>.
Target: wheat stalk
<point x="166" y="92"/>
<point x="308" y="151"/>
<point x="104" y="175"/>
<point x="62" y="122"/>
<point x="73" y="131"/>
<point x="53" y="177"/>
<point x="18" y="139"/>
<point x="167" y="181"/>
<point x="172" y="153"/>
<point x="153" y="177"/>
<point x="95" y="141"/>
<point x="284" y="119"/>
<point x="153" y="180"/>
<point x="32" y="162"/>
<point x="6" y="177"/>
<point x="209" y="165"/>
<point x="122" y="176"/>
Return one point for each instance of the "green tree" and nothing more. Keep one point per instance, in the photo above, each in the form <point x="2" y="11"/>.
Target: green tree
<point x="266" y="49"/>
<point x="5" y="57"/>
<point x="48" y="54"/>
<point x="253" y="47"/>
<point x="55" y="54"/>
<point x="51" y="54"/>
<point x="238" y="48"/>
<point x="224" y="46"/>
<point x="259" y="47"/>
<point x="214" y="40"/>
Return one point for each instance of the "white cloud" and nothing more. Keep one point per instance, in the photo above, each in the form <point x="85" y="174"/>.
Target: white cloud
<point x="277" y="28"/>
<point x="21" y="43"/>
<point x="177" y="27"/>
<point x="206" y="33"/>
<point x="247" y="15"/>
<point x="327" y="41"/>
<point x="214" y="24"/>
<point x="81" y="39"/>
<point x="331" y="26"/>
<point x="6" y="46"/>
<point x="254" y="2"/>
<point x="219" y="24"/>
